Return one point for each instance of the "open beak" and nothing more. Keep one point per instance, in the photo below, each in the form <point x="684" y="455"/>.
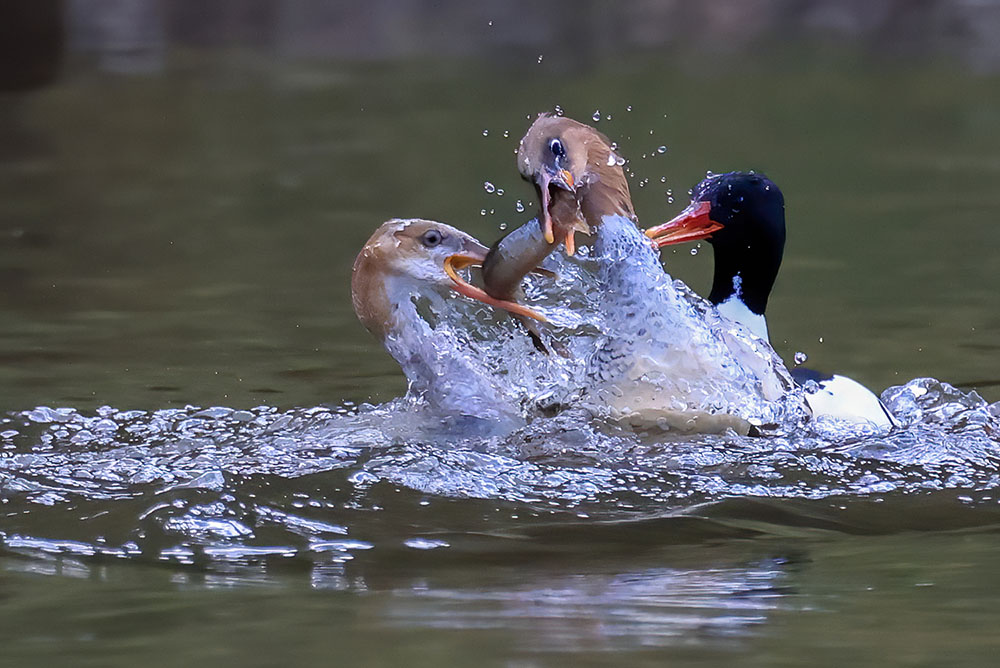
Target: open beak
<point x="562" y="179"/>
<point x="692" y="224"/>
<point x="453" y="263"/>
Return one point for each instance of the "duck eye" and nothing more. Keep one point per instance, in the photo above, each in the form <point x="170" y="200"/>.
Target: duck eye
<point x="557" y="148"/>
<point x="431" y="238"/>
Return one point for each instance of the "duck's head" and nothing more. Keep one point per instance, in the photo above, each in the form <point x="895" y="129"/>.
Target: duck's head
<point x="418" y="253"/>
<point x="577" y="176"/>
<point x="728" y="209"/>
<point x="742" y="214"/>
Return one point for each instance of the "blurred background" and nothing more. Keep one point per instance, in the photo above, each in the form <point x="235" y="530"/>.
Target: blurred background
<point x="184" y="184"/>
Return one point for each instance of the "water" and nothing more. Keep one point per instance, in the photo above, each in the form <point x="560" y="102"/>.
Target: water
<point x="176" y="243"/>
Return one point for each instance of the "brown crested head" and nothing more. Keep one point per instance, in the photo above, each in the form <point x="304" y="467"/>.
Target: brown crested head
<point x="563" y="157"/>
<point x="413" y="250"/>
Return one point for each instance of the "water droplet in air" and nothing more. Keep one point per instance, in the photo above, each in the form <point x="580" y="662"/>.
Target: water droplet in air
<point x="486" y="133"/>
<point x="559" y="110"/>
<point x="596" y="115"/>
<point x="519" y="206"/>
<point x="800" y="358"/>
<point x="490" y="23"/>
<point x="821" y="339"/>
<point x="608" y="117"/>
<point x="506" y="133"/>
<point x="492" y="211"/>
<point x="663" y="179"/>
<point x="540" y="58"/>
<point x="661" y="149"/>
<point x="619" y="161"/>
<point x="482" y="212"/>
<point x="499" y="192"/>
<point x="694" y="251"/>
<point x="628" y="108"/>
<point x="489" y="187"/>
<point x="503" y="226"/>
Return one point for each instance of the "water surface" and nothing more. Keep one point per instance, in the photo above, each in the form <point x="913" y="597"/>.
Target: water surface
<point x="181" y="242"/>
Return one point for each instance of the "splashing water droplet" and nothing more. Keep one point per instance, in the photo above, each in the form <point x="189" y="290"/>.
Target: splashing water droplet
<point x="490" y="23"/>
<point x="821" y="339"/>
<point x="596" y="115"/>
<point x="661" y="149"/>
<point x="540" y="58"/>
<point x="486" y="133"/>
<point x="619" y="161"/>
<point x="506" y="133"/>
<point x="489" y="187"/>
<point x="663" y="179"/>
<point x="559" y="110"/>
<point x="482" y="212"/>
<point x="499" y="192"/>
<point x="800" y="358"/>
<point x="492" y="211"/>
<point x="608" y="117"/>
<point x="502" y="226"/>
<point x="628" y="108"/>
<point x="694" y="251"/>
<point x="519" y="206"/>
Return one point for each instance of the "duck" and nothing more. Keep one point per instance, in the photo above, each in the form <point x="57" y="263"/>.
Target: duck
<point x="673" y="370"/>
<point x="578" y="181"/>
<point x="409" y="260"/>
<point x="742" y="216"/>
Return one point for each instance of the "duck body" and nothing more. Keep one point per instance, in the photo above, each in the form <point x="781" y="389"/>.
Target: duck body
<point x="742" y="215"/>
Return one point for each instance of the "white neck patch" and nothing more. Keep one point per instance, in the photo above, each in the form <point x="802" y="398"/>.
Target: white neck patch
<point x="734" y="309"/>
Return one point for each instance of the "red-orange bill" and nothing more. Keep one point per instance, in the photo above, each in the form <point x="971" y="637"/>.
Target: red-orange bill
<point x="692" y="224"/>
<point x="459" y="261"/>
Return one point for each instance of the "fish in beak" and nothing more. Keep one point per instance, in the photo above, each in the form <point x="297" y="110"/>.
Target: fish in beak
<point x="474" y="256"/>
<point x="692" y="224"/>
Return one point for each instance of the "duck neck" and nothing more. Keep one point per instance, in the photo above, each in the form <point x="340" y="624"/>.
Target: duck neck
<point x="744" y="276"/>
<point x="606" y="194"/>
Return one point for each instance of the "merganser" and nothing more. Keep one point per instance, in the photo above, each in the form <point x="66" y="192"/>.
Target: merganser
<point x="742" y="215"/>
<point x="407" y="260"/>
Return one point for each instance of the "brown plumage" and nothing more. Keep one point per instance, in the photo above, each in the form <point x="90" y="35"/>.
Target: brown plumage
<point x="578" y="179"/>
<point x="411" y="251"/>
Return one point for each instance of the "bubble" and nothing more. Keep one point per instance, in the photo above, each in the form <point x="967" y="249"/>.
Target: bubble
<point x="800" y="358"/>
<point x="596" y="115"/>
<point x="661" y="149"/>
<point x="519" y="206"/>
<point x="489" y="187"/>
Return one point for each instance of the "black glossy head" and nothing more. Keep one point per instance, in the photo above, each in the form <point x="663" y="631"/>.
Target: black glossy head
<point x="751" y="209"/>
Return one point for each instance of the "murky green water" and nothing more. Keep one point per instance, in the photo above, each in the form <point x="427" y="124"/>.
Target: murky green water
<point x="187" y="239"/>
